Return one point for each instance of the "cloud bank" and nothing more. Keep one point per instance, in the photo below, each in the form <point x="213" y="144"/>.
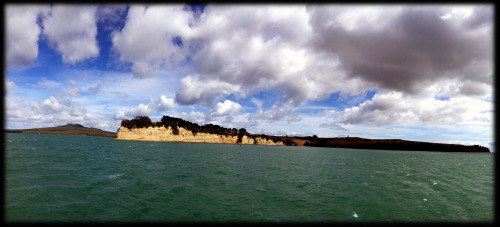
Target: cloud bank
<point x="310" y="52"/>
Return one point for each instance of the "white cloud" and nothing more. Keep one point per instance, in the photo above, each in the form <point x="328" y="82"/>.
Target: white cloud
<point x="255" y="48"/>
<point x="195" y="90"/>
<point x="9" y="85"/>
<point x="226" y="109"/>
<point x="458" y="12"/>
<point x="73" y="92"/>
<point x="58" y="106"/>
<point x="95" y="88"/>
<point x="146" y="39"/>
<point x="22" y="33"/>
<point x="109" y="15"/>
<point x="257" y="102"/>
<point x="161" y="105"/>
<point x="193" y="116"/>
<point x="464" y="88"/>
<point x="13" y="108"/>
<point x="45" y="84"/>
<point x="140" y="110"/>
<point x="165" y="104"/>
<point x="285" y="112"/>
<point x="333" y="126"/>
<point x="73" y="30"/>
<point x="395" y="108"/>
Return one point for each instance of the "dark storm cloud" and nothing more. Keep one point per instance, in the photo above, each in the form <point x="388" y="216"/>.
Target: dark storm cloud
<point x="415" y="45"/>
<point x="481" y="16"/>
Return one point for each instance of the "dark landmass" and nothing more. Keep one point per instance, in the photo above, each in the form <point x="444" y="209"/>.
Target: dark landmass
<point x="389" y="144"/>
<point x="341" y="142"/>
<point x="69" y="129"/>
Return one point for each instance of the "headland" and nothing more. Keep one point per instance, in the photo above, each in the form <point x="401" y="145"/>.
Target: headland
<point x="171" y="129"/>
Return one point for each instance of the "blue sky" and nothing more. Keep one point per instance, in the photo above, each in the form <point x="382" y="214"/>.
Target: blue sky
<point x="415" y="72"/>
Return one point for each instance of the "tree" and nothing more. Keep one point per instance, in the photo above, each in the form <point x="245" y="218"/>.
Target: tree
<point x="175" y="129"/>
<point x="127" y="124"/>
<point x="242" y="131"/>
<point x="142" y="121"/>
<point x="172" y="123"/>
<point x="289" y="142"/>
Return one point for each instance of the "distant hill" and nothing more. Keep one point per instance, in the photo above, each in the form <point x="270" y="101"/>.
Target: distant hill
<point x="68" y="129"/>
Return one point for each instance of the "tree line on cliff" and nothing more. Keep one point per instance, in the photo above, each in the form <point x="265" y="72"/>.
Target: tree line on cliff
<point x="174" y="123"/>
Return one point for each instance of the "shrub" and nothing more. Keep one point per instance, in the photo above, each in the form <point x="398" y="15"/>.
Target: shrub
<point x="137" y="122"/>
<point x="175" y="129"/>
<point x="127" y="124"/>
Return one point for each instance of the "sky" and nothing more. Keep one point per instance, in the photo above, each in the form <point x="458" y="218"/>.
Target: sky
<point x="413" y="72"/>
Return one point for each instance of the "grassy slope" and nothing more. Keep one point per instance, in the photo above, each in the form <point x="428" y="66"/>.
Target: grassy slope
<point x="69" y="129"/>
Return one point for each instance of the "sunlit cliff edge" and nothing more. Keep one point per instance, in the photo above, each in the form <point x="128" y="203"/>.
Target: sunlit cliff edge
<point x="162" y="134"/>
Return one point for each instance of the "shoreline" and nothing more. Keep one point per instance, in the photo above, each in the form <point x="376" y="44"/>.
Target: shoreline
<point x="178" y="130"/>
<point x="357" y="148"/>
<point x="64" y="134"/>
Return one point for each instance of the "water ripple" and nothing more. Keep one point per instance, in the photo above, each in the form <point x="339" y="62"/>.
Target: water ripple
<point x="76" y="178"/>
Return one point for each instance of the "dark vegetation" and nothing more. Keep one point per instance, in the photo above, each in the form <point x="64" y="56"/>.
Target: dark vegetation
<point x="68" y="129"/>
<point x="343" y="142"/>
<point x="137" y="122"/>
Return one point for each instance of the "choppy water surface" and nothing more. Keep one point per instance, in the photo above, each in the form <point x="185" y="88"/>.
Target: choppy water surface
<point x="77" y="178"/>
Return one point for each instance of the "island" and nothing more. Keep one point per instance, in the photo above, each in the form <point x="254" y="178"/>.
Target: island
<point x="171" y="129"/>
<point x="68" y="129"/>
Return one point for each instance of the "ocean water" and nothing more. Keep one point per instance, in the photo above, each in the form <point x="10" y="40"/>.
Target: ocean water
<point x="64" y="178"/>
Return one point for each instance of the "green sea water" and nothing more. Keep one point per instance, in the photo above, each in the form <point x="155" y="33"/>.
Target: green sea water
<point x="64" y="178"/>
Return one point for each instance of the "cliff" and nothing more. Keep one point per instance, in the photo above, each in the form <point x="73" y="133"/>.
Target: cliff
<point x="162" y="134"/>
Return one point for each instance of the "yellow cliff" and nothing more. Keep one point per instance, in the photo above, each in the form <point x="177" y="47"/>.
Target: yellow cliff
<point x="162" y="134"/>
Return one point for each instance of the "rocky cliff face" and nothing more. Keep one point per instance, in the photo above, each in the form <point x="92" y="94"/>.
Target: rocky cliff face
<point x="162" y="134"/>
